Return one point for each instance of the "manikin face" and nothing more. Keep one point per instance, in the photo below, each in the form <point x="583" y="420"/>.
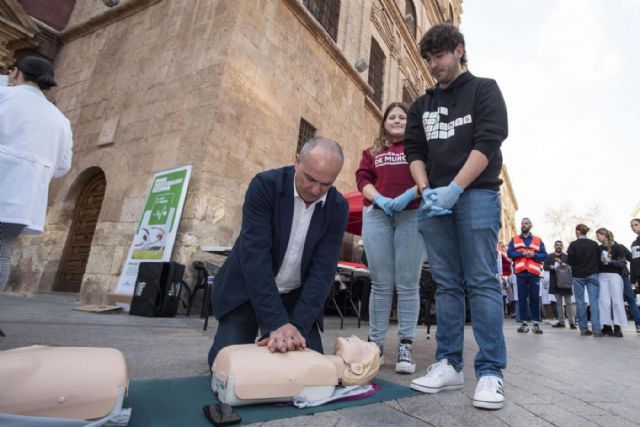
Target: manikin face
<point x="445" y="66"/>
<point x="558" y="247"/>
<point x="635" y="227"/>
<point x="526" y="225"/>
<point x="396" y="123"/>
<point x="316" y="174"/>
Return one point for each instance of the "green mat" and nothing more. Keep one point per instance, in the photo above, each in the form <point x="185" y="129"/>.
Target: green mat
<point x="178" y="401"/>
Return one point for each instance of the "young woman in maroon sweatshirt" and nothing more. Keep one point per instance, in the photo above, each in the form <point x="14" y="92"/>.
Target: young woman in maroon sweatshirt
<point x="394" y="248"/>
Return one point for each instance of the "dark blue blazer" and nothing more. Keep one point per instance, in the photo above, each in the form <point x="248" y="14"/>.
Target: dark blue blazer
<point x="250" y="270"/>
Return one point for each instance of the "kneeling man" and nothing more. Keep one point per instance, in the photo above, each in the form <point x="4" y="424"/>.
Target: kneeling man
<point x="281" y="268"/>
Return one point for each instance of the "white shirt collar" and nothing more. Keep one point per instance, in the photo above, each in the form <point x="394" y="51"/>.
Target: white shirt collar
<point x="30" y="89"/>
<point x="321" y="200"/>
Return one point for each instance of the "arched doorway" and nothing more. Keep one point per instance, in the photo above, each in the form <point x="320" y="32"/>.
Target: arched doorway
<point x="76" y="251"/>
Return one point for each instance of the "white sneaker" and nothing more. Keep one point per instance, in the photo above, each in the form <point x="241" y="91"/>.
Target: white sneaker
<point x="440" y="376"/>
<point x="489" y="393"/>
<point x="405" y="363"/>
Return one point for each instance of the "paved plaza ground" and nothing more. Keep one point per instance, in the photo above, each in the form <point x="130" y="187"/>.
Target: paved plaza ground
<point x="558" y="378"/>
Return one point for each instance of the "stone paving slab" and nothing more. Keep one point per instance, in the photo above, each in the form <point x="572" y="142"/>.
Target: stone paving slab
<point x="556" y="379"/>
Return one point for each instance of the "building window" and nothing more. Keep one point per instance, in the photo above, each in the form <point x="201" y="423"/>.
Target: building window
<point x="327" y="13"/>
<point x="376" y="72"/>
<point x="306" y="132"/>
<point x="410" y="17"/>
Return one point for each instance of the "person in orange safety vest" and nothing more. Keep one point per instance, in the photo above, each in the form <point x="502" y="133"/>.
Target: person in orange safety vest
<point x="528" y="253"/>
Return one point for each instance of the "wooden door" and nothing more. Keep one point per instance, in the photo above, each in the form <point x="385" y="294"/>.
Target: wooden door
<point x="78" y="246"/>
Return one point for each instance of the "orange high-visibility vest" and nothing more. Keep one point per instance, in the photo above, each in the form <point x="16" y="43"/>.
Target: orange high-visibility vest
<point x="524" y="263"/>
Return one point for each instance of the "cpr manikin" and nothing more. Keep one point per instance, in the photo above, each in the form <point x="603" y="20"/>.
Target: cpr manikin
<point x="248" y="374"/>
<point x="62" y="386"/>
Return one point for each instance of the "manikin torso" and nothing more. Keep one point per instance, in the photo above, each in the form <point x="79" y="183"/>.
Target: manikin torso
<point x="248" y="374"/>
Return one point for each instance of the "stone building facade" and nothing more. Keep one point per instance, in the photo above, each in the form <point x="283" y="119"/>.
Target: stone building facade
<point x="230" y="87"/>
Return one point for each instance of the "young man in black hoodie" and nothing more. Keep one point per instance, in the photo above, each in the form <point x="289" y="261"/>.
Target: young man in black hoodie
<point x="452" y="143"/>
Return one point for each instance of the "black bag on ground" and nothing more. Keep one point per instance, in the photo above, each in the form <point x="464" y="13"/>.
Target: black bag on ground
<point x="157" y="290"/>
<point x="563" y="276"/>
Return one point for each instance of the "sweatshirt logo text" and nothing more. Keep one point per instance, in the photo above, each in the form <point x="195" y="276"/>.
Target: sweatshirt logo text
<point x="434" y="128"/>
<point x="390" y="159"/>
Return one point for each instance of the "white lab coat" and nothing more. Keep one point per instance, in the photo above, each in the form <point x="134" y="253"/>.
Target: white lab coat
<point x="35" y="146"/>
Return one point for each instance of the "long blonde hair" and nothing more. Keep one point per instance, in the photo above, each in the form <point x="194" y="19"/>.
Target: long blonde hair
<point x="384" y="139"/>
<point x="609" y="236"/>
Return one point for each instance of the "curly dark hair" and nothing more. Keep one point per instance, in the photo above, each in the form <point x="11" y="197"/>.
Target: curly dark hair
<point x="442" y="38"/>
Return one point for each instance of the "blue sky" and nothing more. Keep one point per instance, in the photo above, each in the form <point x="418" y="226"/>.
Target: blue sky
<point x="567" y="71"/>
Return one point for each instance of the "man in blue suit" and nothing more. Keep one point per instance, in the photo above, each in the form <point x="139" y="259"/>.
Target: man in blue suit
<point x="281" y="268"/>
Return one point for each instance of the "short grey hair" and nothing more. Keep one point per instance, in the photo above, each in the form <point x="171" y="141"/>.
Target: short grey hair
<point x="326" y="143"/>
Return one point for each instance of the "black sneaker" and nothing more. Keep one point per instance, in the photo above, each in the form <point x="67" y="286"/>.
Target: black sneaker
<point x="607" y="331"/>
<point x="405" y="363"/>
<point x="572" y="326"/>
<point x="536" y="329"/>
<point x="523" y="329"/>
<point x="617" y="332"/>
<point x="560" y="324"/>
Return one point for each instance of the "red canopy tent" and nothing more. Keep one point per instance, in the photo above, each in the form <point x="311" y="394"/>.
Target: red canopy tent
<point x="354" y="223"/>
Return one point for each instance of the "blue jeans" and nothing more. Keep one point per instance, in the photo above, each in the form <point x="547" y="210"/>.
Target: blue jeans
<point x="240" y="326"/>
<point x="529" y="296"/>
<point x="461" y="248"/>
<point x="593" y="289"/>
<point x="395" y="253"/>
<point x="630" y="298"/>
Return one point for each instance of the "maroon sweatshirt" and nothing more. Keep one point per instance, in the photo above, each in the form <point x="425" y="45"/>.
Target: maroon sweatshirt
<point x="388" y="171"/>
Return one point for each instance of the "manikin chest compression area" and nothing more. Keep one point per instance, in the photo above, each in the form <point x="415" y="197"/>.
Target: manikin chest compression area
<point x="247" y="374"/>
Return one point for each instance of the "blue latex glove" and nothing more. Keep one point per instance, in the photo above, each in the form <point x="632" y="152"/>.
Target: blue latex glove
<point x="399" y="203"/>
<point x="437" y="211"/>
<point x="446" y="197"/>
<point x="428" y="199"/>
<point x="383" y="203"/>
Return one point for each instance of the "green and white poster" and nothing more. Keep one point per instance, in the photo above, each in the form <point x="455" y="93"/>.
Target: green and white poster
<point x="156" y="231"/>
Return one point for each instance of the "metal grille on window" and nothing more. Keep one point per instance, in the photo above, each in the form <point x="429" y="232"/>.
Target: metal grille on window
<point x="376" y="72"/>
<point x="410" y="10"/>
<point x="327" y="13"/>
<point x="306" y="132"/>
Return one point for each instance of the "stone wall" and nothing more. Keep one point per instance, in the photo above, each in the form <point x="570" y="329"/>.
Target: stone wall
<point x="220" y="85"/>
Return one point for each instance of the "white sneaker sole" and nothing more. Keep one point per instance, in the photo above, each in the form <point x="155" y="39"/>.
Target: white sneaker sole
<point x="405" y="368"/>
<point x="487" y="405"/>
<point x="434" y="390"/>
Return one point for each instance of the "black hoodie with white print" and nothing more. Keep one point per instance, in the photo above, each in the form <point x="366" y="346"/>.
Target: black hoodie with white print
<point x="445" y="125"/>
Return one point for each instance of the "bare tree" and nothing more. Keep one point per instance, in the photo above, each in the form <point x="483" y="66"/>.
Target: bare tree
<point x="563" y="220"/>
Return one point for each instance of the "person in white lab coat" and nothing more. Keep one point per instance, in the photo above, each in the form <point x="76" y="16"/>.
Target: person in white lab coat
<point x="35" y="146"/>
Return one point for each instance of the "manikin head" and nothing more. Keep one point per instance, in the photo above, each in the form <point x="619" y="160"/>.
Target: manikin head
<point x="361" y="360"/>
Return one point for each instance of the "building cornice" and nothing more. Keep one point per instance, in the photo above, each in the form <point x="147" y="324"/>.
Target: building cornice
<point x="105" y="19"/>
